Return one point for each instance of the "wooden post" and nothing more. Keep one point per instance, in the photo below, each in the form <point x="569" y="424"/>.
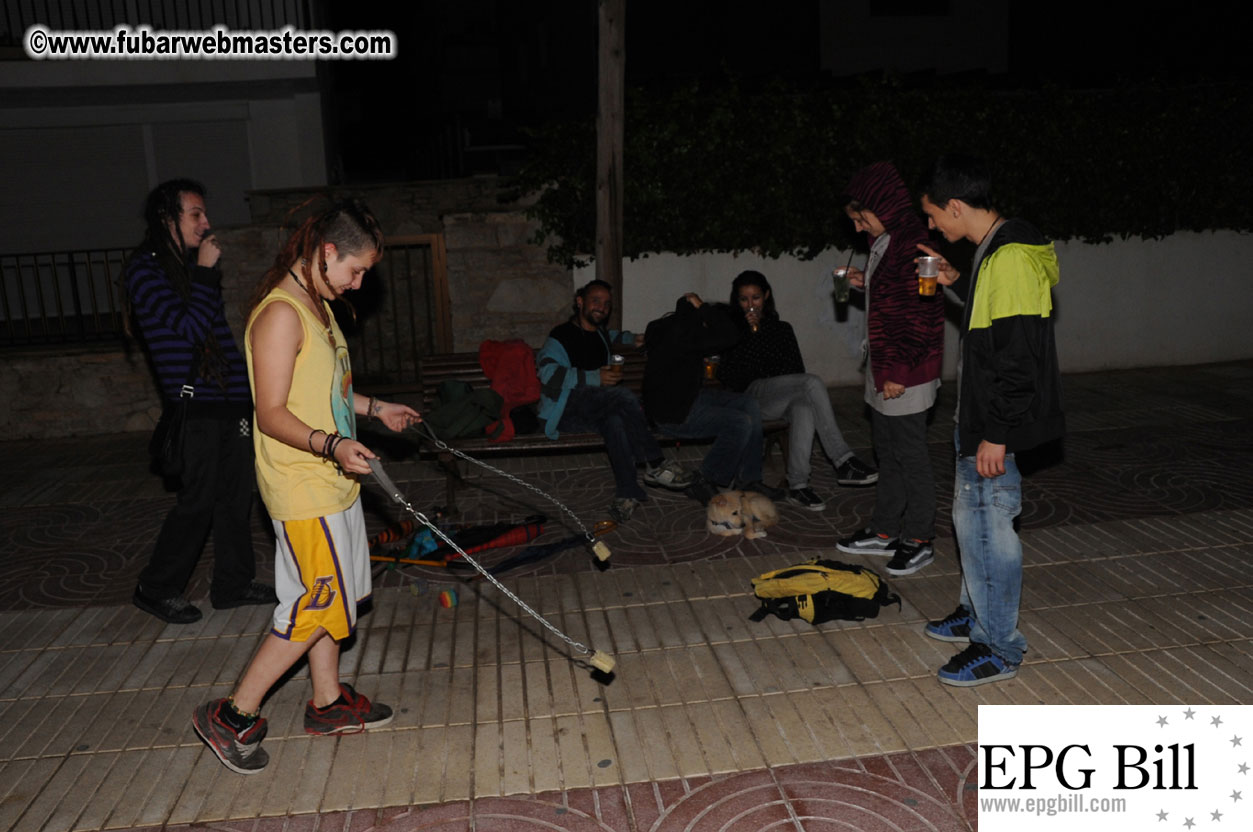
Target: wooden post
<point x="609" y="118"/>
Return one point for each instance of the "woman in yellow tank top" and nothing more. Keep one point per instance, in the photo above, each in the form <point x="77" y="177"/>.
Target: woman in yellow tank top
<point x="308" y="460"/>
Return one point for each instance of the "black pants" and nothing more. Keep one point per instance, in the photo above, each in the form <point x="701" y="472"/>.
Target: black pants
<point x="216" y="493"/>
<point x="905" y="494"/>
<point x="617" y="415"/>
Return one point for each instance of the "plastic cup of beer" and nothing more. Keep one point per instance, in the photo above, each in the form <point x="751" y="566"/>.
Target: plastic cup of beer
<point x="840" y="277"/>
<point x="711" y="366"/>
<point x="928" y="271"/>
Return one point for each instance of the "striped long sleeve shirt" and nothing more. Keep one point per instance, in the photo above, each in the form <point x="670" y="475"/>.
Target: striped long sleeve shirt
<point x="173" y="329"/>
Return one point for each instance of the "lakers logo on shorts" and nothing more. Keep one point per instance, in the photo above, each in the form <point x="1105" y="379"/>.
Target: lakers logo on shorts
<point x="318" y="587"/>
<point x="321" y="594"/>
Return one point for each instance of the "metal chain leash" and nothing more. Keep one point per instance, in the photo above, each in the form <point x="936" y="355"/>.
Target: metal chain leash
<point x="425" y="431"/>
<point x="394" y="493"/>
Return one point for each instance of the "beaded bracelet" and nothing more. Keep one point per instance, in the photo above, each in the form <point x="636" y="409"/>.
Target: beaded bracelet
<point x="369" y="410"/>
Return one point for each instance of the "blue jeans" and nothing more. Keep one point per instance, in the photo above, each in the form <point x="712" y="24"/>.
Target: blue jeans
<point x="734" y="420"/>
<point x="991" y="554"/>
<point x="616" y="414"/>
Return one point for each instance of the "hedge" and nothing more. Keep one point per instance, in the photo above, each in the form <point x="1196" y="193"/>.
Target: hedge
<point x="712" y="167"/>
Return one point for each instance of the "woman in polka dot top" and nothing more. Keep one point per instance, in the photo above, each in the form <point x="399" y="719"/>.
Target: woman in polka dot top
<point x="767" y="364"/>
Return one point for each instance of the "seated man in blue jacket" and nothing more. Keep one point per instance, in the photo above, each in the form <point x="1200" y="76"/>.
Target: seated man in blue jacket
<point x="580" y="393"/>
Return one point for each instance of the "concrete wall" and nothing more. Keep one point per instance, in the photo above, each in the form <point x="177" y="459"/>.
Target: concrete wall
<point x="1186" y="299"/>
<point x="84" y="142"/>
<point x="499" y="284"/>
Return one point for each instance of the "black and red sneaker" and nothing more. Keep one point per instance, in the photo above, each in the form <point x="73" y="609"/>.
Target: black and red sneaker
<point x="350" y="714"/>
<point x="240" y="751"/>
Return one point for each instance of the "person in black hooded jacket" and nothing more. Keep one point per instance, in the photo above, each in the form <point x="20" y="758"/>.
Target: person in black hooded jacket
<point x="678" y="403"/>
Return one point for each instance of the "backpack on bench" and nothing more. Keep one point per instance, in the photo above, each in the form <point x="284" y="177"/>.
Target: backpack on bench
<point x="822" y="590"/>
<point x="461" y="411"/>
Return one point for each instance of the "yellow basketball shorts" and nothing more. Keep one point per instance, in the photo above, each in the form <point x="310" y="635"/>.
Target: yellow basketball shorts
<point x="321" y="573"/>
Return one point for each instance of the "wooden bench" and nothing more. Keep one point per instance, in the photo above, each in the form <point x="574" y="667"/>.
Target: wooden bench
<point x="464" y="366"/>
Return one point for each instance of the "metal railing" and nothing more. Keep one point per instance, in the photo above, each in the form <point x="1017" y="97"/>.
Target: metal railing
<point x="173" y="15"/>
<point x="62" y="297"/>
<point x="403" y="314"/>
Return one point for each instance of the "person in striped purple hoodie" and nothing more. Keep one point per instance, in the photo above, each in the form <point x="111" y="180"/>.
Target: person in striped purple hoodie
<point x="905" y="340"/>
<point x="174" y="294"/>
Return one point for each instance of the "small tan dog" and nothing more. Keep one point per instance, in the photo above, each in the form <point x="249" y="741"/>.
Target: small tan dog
<point x="740" y="512"/>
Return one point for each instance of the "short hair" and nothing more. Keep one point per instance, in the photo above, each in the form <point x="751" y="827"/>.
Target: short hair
<point x="581" y="293"/>
<point x="753" y="278"/>
<point x="957" y="176"/>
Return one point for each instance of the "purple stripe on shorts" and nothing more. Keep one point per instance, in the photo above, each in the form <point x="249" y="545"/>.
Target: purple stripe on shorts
<point x="339" y="574"/>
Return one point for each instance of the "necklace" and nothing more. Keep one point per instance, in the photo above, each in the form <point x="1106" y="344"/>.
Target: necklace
<point x="996" y="222"/>
<point x="330" y="334"/>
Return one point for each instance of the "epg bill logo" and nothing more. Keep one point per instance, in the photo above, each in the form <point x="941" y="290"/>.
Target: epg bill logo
<point x="1115" y="766"/>
<point x="1011" y="767"/>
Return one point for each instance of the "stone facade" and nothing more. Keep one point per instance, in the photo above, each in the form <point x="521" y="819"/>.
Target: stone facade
<point x="500" y="286"/>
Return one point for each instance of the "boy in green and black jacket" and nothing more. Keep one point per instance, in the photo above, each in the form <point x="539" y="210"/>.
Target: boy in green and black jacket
<point x="1009" y="400"/>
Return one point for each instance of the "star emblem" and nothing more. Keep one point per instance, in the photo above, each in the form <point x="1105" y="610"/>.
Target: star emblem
<point x="1161" y="816"/>
<point x="1243" y="768"/>
<point x="1188" y="714"/>
<point x="1189" y="823"/>
<point x="1235" y="741"/>
<point x="1161" y="722"/>
<point x="1216" y="815"/>
<point x="1216" y="721"/>
<point x="1235" y="795"/>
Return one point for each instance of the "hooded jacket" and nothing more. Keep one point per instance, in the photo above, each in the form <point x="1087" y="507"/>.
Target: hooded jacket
<point x="676" y="346"/>
<point x="905" y="330"/>
<point x="1010" y="390"/>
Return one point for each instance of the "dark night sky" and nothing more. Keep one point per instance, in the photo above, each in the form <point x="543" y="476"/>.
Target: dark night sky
<point x="491" y="67"/>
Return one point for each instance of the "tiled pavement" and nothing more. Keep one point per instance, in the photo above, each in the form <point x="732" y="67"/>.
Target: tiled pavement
<point x="1139" y="589"/>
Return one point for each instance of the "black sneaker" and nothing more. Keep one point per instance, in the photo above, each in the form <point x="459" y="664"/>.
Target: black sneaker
<point x="806" y="498"/>
<point x="176" y="610"/>
<point x="868" y="542"/>
<point x="760" y="487"/>
<point x="955" y="627"/>
<point x="241" y="752"/>
<point x="976" y="665"/>
<point x="855" y="472"/>
<point x="253" y="594"/>
<point x="701" y="490"/>
<point x="911" y="555"/>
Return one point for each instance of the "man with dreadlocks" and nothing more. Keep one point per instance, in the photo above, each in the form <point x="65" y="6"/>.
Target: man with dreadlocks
<point x="173" y="286"/>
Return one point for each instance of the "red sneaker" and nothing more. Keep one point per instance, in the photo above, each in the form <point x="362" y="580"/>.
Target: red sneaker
<point x="241" y="752"/>
<point x="355" y="713"/>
